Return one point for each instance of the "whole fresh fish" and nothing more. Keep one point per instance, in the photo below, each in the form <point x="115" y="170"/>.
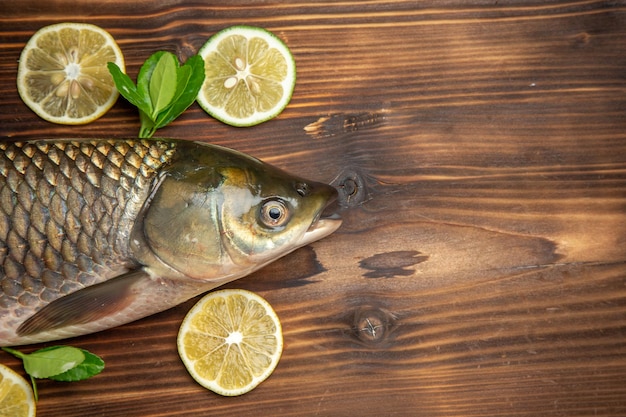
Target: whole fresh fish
<point x="97" y="233"/>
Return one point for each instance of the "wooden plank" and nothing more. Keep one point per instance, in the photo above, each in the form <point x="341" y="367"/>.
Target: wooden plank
<point x="481" y="152"/>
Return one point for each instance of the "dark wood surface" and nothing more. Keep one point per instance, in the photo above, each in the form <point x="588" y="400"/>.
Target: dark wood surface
<point x="481" y="267"/>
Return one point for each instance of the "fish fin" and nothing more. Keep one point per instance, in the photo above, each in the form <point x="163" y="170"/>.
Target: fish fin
<point x="84" y="306"/>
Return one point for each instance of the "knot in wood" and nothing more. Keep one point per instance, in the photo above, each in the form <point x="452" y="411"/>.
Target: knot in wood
<point x="372" y="324"/>
<point x="351" y="187"/>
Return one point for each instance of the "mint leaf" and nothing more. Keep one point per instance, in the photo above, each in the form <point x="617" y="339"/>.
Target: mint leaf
<point x="126" y="87"/>
<point x="92" y="365"/>
<point x="164" y="89"/>
<point x="144" y="77"/>
<point x="163" y="83"/>
<point x="59" y="363"/>
<point x="182" y="77"/>
<point x="55" y="360"/>
<point x="188" y="83"/>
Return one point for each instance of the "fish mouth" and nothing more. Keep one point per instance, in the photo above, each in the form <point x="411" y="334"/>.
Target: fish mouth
<point x="326" y="222"/>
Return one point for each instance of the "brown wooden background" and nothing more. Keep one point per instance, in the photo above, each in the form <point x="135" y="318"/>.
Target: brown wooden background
<point x="483" y="144"/>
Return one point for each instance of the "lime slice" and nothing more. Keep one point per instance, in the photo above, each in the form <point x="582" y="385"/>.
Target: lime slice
<point x="230" y="341"/>
<point x="63" y="76"/>
<point x="250" y="76"/>
<point x="16" y="396"/>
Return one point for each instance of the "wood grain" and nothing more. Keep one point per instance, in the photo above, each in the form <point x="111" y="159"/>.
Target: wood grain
<point x="480" y="149"/>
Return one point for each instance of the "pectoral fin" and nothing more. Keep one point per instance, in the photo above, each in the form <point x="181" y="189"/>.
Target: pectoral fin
<point x="84" y="306"/>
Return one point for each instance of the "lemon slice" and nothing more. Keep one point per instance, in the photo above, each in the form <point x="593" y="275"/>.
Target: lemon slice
<point x="63" y="75"/>
<point x="16" y="396"/>
<point x="250" y="76"/>
<point x="230" y="341"/>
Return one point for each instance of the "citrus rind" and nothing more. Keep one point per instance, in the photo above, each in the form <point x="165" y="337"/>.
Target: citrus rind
<point x="63" y="76"/>
<point x="16" y="395"/>
<point x="250" y="75"/>
<point x="230" y="341"/>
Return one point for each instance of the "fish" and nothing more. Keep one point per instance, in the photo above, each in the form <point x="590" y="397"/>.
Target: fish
<point x="96" y="233"/>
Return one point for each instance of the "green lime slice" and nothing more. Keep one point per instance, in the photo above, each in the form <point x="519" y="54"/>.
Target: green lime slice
<point x="250" y="76"/>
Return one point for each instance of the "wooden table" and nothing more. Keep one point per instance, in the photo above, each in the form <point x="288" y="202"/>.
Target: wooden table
<point x="481" y="150"/>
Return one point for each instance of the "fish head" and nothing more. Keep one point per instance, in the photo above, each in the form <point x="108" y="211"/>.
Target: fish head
<point x="267" y="213"/>
<point x="221" y="215"/>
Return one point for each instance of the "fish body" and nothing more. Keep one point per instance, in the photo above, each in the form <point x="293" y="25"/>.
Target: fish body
<point x="98" y="233"/>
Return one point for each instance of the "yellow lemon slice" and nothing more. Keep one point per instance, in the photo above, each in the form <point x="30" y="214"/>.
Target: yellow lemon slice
<point x="250" y="76"/>
<point x="63" y="76"/>
<point x="230" y="341"/>
<point x="16" y="396"/>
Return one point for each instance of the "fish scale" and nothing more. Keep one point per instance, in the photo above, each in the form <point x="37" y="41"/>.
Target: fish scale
<point x="64" y="206"/>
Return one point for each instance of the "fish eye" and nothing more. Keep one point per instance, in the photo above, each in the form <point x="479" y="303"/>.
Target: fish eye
<point x="274" y="213"/>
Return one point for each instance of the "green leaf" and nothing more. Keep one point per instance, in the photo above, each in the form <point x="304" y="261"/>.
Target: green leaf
<point x="51" y="361"/>
<point x="163" y="83"/>
<point x="167" y="114"/>
<point x="144" y="76"/>
<point x="59" y="363"/>
<point x="164" y="89"/>
<point x="92" y="365"/>
<point x="126" y="87"/>
<point x="188" y="83"/>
